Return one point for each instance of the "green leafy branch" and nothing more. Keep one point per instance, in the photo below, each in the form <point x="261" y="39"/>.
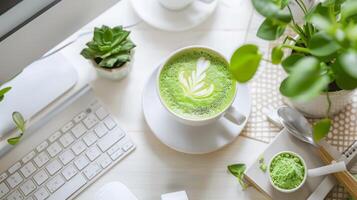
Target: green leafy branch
<point x="238" y="170"/>
<point x="322" y="58"/>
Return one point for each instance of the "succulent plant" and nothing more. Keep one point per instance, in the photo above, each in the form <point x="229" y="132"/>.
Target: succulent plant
<point x="110" y="47"/>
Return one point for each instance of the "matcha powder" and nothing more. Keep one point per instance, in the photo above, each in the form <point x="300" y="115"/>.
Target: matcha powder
<point x="287" y="171"/>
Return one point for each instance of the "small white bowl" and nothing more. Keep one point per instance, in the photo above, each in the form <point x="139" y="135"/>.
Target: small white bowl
<point x="302" y="182"/>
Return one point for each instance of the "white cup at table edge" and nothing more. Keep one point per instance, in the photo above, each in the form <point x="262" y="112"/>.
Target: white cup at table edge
<point x="319" y="171"/>
<point x="179" y="4"/>
<point x="230" y="112"/>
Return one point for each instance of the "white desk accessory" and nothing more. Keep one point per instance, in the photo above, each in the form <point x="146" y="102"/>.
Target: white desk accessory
<point x="35" y="87"/>
<point x="115" y="191"/>
<point x="188" y="139"/>
<point x="181" y="195"/>
<point x="156" y="15"/>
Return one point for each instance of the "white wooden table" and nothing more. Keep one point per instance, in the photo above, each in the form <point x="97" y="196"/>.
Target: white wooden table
<point x="153" y="168"/>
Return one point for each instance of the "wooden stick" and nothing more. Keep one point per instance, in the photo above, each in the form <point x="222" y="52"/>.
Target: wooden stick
<point x="344" y="177"/>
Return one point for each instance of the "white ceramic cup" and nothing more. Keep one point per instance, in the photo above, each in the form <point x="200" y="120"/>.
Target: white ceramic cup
<point x="319" y="171"/>
<point x="230" y="112"/>
<point x="179" y="4"/>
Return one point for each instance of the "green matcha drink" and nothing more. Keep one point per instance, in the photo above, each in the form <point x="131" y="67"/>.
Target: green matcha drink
<point x="287" y="171"/>
<point x="196" y="84"/>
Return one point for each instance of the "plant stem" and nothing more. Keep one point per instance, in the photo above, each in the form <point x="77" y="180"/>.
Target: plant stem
<point x="301" y="5"/>
<point x="299" y="49"/>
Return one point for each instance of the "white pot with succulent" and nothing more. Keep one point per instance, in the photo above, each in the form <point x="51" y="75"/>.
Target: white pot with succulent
<point x="111" y="52"/>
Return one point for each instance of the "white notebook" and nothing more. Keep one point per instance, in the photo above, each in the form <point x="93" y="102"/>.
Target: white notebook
<point x="285" y="142"/>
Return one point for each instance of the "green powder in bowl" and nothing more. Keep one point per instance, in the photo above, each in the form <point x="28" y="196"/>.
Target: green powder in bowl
<point x="287" y="171"/>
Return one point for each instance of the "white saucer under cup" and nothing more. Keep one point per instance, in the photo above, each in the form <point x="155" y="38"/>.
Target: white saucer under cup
<point x="156" y="15"/>
<point x="191" y="139"/>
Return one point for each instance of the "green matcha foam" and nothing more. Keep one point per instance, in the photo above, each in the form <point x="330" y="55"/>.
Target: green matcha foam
<point x="196" y="84"/>
<point x="287" y="171"/>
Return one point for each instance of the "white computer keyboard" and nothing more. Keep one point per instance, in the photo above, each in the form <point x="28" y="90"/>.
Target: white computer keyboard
<point x="69" y="160"/>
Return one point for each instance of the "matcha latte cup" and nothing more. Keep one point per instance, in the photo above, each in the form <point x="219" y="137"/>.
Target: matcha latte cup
<point x="196" y="87"/>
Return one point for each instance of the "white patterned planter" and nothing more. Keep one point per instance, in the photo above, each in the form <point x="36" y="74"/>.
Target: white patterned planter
<point x="317" y="107"/>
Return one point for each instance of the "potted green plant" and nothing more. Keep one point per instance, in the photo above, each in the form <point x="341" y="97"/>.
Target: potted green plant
<point x="111" y="51"/>
<point x="320" y="60"/>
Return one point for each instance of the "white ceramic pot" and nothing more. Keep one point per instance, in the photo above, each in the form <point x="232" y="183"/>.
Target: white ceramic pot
<point x="115" y="74"/>
<point x="317" y="107"/>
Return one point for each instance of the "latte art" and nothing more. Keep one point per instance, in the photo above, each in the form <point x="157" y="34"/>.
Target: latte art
<point x="194" y="83"/>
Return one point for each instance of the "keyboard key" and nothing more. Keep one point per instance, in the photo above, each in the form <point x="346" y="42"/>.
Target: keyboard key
<point x="54" y="149"/>
<point x="53" y="167"/>
<point x="81" y="162"/>
<point x="3" y="176"/>
<point x="55" y="136"/>
<point x="66" y="140"/>
<point x="28" y="157"/>
<point x="16" y="195"/>
<point x="69" y="172"/>
<point x="67" y="127"/>
<point x="91" y="170"/>
<point x="127" y="146"/>
<point x="117" y="154"/>
<point x="79" y="147"/>
<point x="3" y="190"/>
<point x="66" y="157"/>
<point x="90" y="121"/>
<point x="114" y="148"/>
<point x="108" y="140"/>
<point x="41" y="159"/>
<point x="104" y="160"/>
<point x="55" y="183"/>
<point x="28" y="169"/>
<point x="28" y="187"/>
<point x="79" y="130"/>
<point x="101" y="113"/>
<point x="41" y="194"/>
<point x="90" y="138"/>
<point x="93" y="153"/>
<point x="110" y="123"/>
<point x="14" y="167"/>
<point x="40" y="177"/>
<point x="14" y="180"/>
<point x="69" y="188"/>
<point x="101" y="130"/>
<point x="79" y="117"/>
<point x="42" y="146"/>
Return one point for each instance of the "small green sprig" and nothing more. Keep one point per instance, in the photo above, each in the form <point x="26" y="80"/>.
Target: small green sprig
<point x="21" y="127"/>
<point x="238" y="170"/>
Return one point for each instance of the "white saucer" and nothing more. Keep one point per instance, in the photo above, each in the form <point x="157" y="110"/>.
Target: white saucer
<point x="191" y="139"/>
<point x="153" y="13"/>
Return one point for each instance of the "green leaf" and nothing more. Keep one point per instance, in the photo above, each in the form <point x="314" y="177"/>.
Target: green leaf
<point x="15" y="140"/>
<point x="321" y="22"/>
<point x="269" y="30"/>
<point x="270" y="9"/>
<point x="97" y="36"/>
<point x="290" y="61"/>
<point x="349" y="10"/>
<point x="348" y="63"/>
<point x="321" y="129"/>
<point x="88" y="53"/>
<point x="277" y="55"/>
<point x="238" y="170"/>
<point x="19" y="121"/>
<point x="245" y="62"/>
<point x="321" y="44"/>
<point x="305" y="80"/>
<point x="112" y="61"/>
<point x="343" y="79"/>
<point x="3" y="92"/>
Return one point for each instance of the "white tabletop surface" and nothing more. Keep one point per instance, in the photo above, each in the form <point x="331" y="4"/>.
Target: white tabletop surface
<point x="153" y="168"/>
